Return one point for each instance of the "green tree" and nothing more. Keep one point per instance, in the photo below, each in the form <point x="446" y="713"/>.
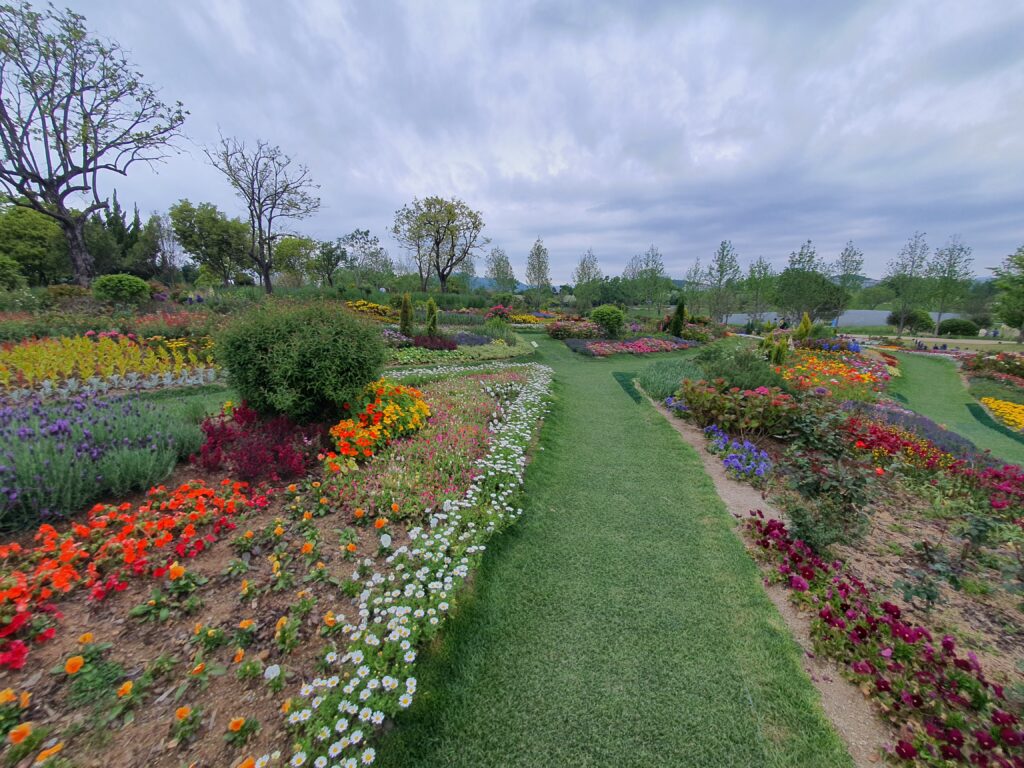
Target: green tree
<point x="586" y="280"/>
<point x="73" y="109"/>
<point x="370" y="264"/>
<point x="1009" y="304"/>
<point x="758" y="288"/>
<point x="950" y="274"/>
<point x="871" y="298"/>
<point x="848" y="267"/>
<point x="499" y="271"/>
<point x="806" y="259"/>
<point x="431" y="318"/>
<point x="295" y="255"/>
<point x="723" y="276"/>
<point x="327" y="258"/>
<point x="678" y="321"/>
<point x="645" y="272"/>
<point x="695" y="288"/>
<point x="10" y="274"/>
<point x="214" y="241"/>
<point x="155" y="250"/>
<point x="538" y="274"/>
<point x="799" y="291"/>
<point x="405" y="316"/>
<point x="36" y="243"/>
<point x="412" y="230"/>
<point x="907" y="280"/>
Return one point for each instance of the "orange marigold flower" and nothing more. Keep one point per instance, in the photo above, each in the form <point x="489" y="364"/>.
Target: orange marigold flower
<point x="236" y="724"/>
<point x="86" y="638"/>
<point x="125" y="689"/>
<point x="176" y="571"/>
<point x="239" y="655"/>
<point x="329" y="619"/>
<point x="247" y="763"/>
<point x="286" y="705"/>
<point x="24" y="699"/>
<point x="278" y="531"/>
<point x="359" y="512"/>
<point x="380" y="522"/>
<point x="394" y="507"/>
<point x="246" y="624"/>
<point x="198" y="669"/>
<point x="292" y="488"/>
<point x="307" y="515"/>
<point x="75" y="663"/>
<point x="323" y="499"/>
<point x="351" y="546"/>
<point x="280" y="624"/>
<point x="7" y="696"/>
<point x="46" y="754"/>
<point x="182" y="713"/>
<point x="19" y="733"/>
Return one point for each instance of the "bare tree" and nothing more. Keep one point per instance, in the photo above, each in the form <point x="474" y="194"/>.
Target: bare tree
<point x="72" y="107"/>
<point x="272" y="187"/>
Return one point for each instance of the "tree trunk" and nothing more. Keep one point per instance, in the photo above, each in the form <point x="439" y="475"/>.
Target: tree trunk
<point x="444" y="282"/>
<point x="938" y="322"/>
<point x="265" y="277"/>
<point x="81" y="259"/>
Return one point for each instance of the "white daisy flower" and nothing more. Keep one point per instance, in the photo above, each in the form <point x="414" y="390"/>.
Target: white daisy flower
<point x="341" y="726"/>
<point x="377" y="718"/>
<point x="369" y="756"/>
<point x="298" y="760"/>
<point x="363" y="671"/>
<point x="409" y="657"/>
<point x="335" y="749"/>
<point x="356" y="737"/>
<point x="405" y="700"/>
<point x="320" y="762"/>
<point x="365" y="713"/>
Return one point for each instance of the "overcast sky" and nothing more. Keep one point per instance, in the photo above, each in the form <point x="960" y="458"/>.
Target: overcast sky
<point x="610" y="125"/>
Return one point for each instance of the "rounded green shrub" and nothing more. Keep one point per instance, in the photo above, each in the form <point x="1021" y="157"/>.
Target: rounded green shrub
<point x="306" y="362"/>
<point x="955" y="326"/>
<point x="916" y="320"/>
<point x="610" y="318"/>
<point x="120" y="289"/>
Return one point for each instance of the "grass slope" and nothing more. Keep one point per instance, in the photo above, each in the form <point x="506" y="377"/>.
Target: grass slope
<point x="932" y="387"/>
<point x="621" y="622"/>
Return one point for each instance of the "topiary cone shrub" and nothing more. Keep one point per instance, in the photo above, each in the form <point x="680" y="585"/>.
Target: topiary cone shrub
<point x="678" y="321"/>
<point x="305" y="362"/>
<point x="405" y="316"/>
<point x="431" y="318"/>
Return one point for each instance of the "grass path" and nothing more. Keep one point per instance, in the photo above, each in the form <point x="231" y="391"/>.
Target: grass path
<point x="932" y="387"/>
<point x="620" y="623"/>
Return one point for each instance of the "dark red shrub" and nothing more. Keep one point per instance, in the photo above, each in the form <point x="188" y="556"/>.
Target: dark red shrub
<point x="433" y="342"/>
<point x="253" y="449"/>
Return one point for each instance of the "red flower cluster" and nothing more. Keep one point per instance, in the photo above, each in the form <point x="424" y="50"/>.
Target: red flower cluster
<point x="945" y="707"/>
<point x="112" y="545"/>
<point x="885" y="441"/>
<point x="255" y="449"/>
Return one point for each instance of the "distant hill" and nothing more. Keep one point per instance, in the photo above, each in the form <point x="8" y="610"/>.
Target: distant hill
<point x="488" y="285"/>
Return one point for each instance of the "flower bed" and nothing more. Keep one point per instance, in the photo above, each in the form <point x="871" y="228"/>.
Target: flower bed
<point x="100" y="554"/>
<point x="742" y="459"/>
<point x="371" y="310"/>
<point x="641" y="346"/>
<point x="944" y="707"/>
<point x="1011" y="414"/>
<point x="574" y="329"/>
<point x="1011" y="363"/>
<point x="320" y="602"/>
<point x="495" y="350"/>
<point x="844" y="375"/>
<point x="762" y="411"/>
<point x="109" y="358"/>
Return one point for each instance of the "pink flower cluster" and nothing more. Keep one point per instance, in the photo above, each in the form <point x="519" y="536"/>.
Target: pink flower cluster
<point x="644" y="346"/>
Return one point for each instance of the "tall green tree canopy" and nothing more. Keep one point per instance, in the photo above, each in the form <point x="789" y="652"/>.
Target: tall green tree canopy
<point x="1010" y="282"/>
<point x="950" y="275"/>
<point x="586" y="280"/>
<point x="499" y="271"/>
<point x="35" y="241"/>
<point x="538" y="271"/>
<point x="214" y="241"/>
<point x="906" y="278"/>
<point x="722" y="281"/>
<point x="73" y="109"/>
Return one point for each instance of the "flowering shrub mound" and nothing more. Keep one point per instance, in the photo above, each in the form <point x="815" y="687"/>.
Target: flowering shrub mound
<point x="742" y="459"/>
<point x="1011" y="414"/>
<point x="391" y="411"/>
<point x="28" y="364"/>
<point x="434" y="342"/>
<point x="844" y="375"/>
<point x="761" y="411"/>
<point x="395" y="339"/>
<point x="252" y="448"/>
<point x="643" y="346"/>
<point x="112" y="545"/>
<point x="1010" y="363"/>
<point x="371" y="310"/>
<point x="944" y="707"/>
<point x="500" y="311"/>
<point x="574" y="329"/>
<point x="888" y="443"/>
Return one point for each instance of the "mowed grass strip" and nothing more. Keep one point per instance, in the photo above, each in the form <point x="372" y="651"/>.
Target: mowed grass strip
<point x="621" y="623"/>
<point x="932" y="387"/>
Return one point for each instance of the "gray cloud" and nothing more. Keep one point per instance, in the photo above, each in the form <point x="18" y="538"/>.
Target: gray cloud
<point x="610" y="125"/>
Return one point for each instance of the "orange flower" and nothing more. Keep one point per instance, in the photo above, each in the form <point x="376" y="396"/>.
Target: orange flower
<point x="7" y="696"/>
<point x="280" y="624"/>
<point x="394" y="507"/>
<point x="246" y="624"/>
<point x="24" y="699"/>
<point x="182" y="713"/>
<point x="307" y="515"/>
<point x="380" y="522"/>
<point x="315" y="483"/>
<point x="351" y="546"/>
<point x="323" y="500"/>
<point x="329" y="619"/>
<point x="236" y="724"/>
<point x="198" y="669"/>
<point x="278" y="531"/>
<point x="247" y="763"/>
<point x="86" y="638"/>
<point x="46" y="754"/>
<point x="125" y="689"/>
<point x="176" y="571"/>
<point x="359" y="512"/>
<point x="307" y="547"/>
<point x="72" y="665"/>
<point x="293" y="488"/>
<point x="239" y="655"/>
<point x="19" y="733"/>
<point x="286" y="705"/>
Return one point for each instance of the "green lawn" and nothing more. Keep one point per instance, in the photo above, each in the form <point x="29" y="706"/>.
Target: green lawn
<point x="621" y="623"/>
<point x="932" y="387"/>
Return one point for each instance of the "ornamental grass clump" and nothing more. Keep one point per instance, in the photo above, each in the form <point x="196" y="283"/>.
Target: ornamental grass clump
<point x="303" y="362"/>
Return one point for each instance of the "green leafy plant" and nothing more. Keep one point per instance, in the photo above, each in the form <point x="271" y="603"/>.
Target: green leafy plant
<point x="431" y="318"/>
<point x="306" y="362"/>
<point x="120" y="289"/>
<point x="610" y="318"/>
<point x="678" y="321"/>
<point x="405" y="316"/>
